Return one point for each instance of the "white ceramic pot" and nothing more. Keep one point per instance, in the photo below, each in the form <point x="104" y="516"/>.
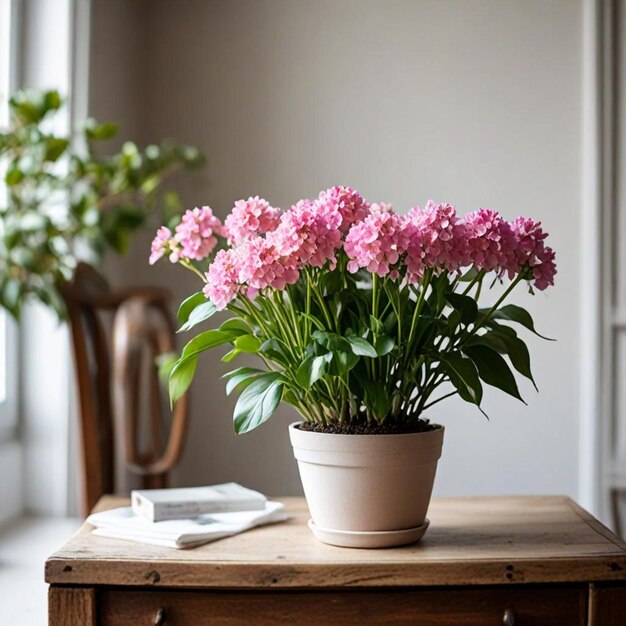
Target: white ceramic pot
<point x="367" y="490"/>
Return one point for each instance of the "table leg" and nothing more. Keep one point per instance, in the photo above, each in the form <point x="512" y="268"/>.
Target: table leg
<point x="607" y="605"/>
<point x="71" y="606"/>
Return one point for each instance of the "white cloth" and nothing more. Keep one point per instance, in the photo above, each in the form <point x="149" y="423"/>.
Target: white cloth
<point x="122" y="523"/>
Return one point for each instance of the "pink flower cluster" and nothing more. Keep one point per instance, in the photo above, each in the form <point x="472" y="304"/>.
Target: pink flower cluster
<point x="247" y="268"/>
<point x="377" y="242"/>
<point x="347" y="202"/>
<point x="531" y="251"/>
<point x="249" y="218"/>
<point x="435" y="239"/>
<point x="308" y="234"/>
<point x="193" y="240"/>
<point x="269" y="248"/>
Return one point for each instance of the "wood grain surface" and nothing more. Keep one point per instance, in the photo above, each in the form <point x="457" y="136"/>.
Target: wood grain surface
<point x="74" y="606"/>
<point x="471" y="541"/>
<point x="607" y="605"/>
<point x="458" y="607"/>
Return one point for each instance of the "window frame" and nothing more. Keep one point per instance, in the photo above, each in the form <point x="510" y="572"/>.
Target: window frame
<point x="9" y="336"/>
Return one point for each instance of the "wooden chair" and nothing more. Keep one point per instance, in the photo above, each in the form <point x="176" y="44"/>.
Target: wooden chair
<point x="109" y="382"/>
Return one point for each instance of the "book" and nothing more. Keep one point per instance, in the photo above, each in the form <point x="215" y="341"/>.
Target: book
<point x="123" y="523"/>
<point x="158" y="505"/>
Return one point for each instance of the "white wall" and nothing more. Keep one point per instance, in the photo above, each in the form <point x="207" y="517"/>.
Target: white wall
<point x="475" y="103"/>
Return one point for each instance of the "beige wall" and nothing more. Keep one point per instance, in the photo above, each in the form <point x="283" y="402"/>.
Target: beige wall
<point x="477" y="103"/>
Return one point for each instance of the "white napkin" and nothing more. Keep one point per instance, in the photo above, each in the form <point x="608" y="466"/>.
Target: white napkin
<point x="122" y="523"/>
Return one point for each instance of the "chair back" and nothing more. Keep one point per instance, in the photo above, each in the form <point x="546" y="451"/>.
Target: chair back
<point x="110" y="392"/>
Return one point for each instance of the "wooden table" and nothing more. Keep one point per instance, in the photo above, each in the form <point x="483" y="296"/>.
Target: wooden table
<point x="511" y="561"/>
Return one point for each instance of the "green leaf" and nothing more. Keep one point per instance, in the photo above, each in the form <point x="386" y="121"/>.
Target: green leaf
<point x="331" y="341"/>
<point x="240" y="378"/>
<point x="493" y="369"/>
<point x="513" y="313"/>
<point x="342" y="362"/>
<point x="390" y="322"/>
<point x="205" y="341"/>
<point x="14" y="175"/>
<point x="376" y="325"/>
<point x="165" y="363"/>
<point x="491" y="339"/>
<point x="11" y="296"/>
<point x="276" y="350"/>
<point x="517" y="351"/>
<point x="188" y="305"/>
<point x="362" y="347"/>
<point x="181" y="376"/>
<point x="258" y="402"/>
<point x="248" y="343"/>
<point x="465" y="305"/>
<point x="312" y="369"/>
<point x="235" y="326"/>
<point x="384" y="345"/>
<point x="201" y="313"/>
<point x="51" y="101"/>
<point x="454" y="319"/>
<point x="464" y="376"/>
<point x="377" y="398"/>
<point x="55" y="147"/>
<point x="106" y="130"/>
<point x="505" y="341"/>
<point x="231" y="355"/>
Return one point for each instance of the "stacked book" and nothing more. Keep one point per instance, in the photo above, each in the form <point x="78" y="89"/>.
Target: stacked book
<point x="185" y="518"/>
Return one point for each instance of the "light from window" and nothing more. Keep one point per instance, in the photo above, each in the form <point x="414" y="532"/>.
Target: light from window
<point x="5" y="85"/>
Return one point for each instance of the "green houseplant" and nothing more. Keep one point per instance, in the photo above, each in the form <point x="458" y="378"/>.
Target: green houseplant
<point x="66" y="202"/>
<point x="362" y="320"/>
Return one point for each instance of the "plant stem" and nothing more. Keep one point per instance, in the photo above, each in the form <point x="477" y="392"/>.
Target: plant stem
<point x="427" y="406"/>
<point x="495" y="306"/>
<point x="322" y="304"/>
<point x="420" y="302"/>
<point x="195" y="270"/>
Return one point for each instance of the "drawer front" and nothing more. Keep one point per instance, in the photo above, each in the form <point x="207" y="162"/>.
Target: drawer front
<point x="442" y="607"/>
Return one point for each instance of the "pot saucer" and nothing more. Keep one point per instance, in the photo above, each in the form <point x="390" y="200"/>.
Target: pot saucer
<point x="367" y="539"/>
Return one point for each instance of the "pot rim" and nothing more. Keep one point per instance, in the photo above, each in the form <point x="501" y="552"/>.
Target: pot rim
<point x="438" y="430"/>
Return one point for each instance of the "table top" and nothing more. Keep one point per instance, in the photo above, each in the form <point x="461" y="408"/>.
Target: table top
<point x="471" y="541"/>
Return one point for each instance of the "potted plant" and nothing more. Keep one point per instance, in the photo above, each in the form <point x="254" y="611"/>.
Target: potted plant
<point x="66" y="203"/>
<point x="363" y="320"/>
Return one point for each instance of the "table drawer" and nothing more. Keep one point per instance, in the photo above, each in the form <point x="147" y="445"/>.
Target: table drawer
<point x="525" y="606"/>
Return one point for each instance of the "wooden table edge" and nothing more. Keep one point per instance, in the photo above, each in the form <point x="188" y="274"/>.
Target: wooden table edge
<point x="262" y="575"/>
<point x="595" y="524"/>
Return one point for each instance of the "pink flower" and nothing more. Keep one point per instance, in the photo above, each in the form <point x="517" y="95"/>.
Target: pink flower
<point x="545" y="270"/>
<point x="436" y="239"/>
<point x="530" y="251"/>
<point x="196" y="233"/>
<point x="250" y="217"/>
<point x="377" y="242"/>
<point x="489" y="240"/>
<point x="222" y="279"/>
<point x="308" y="233"/>
<point x="347" y="202"/>
<point x="161" y="244"/>
<point x="529" y="238"/>
<point x="260" y="265"/>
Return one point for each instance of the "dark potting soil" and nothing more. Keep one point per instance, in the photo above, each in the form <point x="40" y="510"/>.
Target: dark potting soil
<point x="420" y="426"/>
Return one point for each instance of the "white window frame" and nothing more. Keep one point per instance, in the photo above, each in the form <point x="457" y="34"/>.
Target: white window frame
<point x="9" y="365"/>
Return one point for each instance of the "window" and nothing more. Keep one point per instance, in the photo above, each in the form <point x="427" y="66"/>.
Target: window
<point x="8" y="333"/>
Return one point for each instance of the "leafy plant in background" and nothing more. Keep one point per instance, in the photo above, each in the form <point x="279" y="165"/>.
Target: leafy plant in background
<point x="358" y="315"/>
<point x="64" y="200"/>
